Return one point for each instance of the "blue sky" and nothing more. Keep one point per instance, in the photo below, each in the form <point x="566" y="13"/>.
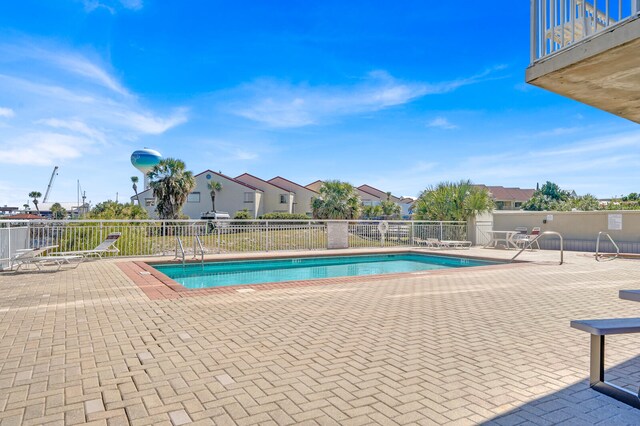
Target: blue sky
<point x="399" y="95"/>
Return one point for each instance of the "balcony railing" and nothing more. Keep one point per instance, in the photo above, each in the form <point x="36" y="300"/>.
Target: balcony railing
<point x="558" y="24"/>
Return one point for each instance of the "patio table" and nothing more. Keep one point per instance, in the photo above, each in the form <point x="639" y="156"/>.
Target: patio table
<point x="505" y="237"/>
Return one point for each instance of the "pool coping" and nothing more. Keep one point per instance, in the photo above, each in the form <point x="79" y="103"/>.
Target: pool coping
<point x="156" y="285"/>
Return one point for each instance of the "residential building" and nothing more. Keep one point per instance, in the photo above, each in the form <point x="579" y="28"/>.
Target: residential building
<point x="508" y="198"/>
<point x="588" y="51"/>
<point x="379" y="194"/>
<point x="406" y="204"/>
<point x="369" y="195"/>
<point x="275" y="197"/>
<point x="302" y="197"/>
<point x="234" y="196"/>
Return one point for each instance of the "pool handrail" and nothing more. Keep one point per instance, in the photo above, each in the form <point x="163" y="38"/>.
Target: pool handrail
<point x="537" y="238"/>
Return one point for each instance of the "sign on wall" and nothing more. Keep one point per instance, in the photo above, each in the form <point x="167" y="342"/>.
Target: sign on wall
<point x="615" y="222"/>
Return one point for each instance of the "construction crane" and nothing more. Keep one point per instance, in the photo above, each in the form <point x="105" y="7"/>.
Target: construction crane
<point x="53" y="176"/>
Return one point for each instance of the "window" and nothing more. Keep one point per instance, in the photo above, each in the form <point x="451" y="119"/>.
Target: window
<point x="194" y="197"/>
<point x="367" y="202"/>
<point x="149" y="202"/>
<point x="248" y="197"/>
<point x="283" y="199"/>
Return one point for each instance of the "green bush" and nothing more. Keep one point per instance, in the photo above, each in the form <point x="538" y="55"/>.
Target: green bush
<point x="284" y="216"/>
<point x="242" y="215"/>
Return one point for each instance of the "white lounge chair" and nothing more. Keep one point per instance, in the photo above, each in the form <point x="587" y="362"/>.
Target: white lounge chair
<point x="59" y="261"/>
<point x="107" y="246"/>
<point x="455" y="244"/>
<point x="35" y="257"/>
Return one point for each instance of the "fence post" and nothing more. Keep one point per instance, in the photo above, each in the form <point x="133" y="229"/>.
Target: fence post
<point x="534" y="22"/>
<point x="310" y="235"/>
<point x="266" y="226"/>
<point x="9" y="252"/>
<point x="441" y="230"/>
<point x="218" y="232"/>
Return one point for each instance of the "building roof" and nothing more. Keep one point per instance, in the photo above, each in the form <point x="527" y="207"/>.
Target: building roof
<point x="215" y="173"/>
<point x="366" y="191"/>
<point x="229" y="178"/>
<point x="500" y="193"/>
<point x="312" y="183"/>
<point x="291" y="182"/>
<point x="375" y="191"/>
<point x="262" y="180"/>
<point x="21" y="216"/>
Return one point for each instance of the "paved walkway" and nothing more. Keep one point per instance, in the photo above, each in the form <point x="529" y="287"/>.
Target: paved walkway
<point x="467" y="347"/>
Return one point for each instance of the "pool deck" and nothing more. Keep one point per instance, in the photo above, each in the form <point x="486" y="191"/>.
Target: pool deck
<point x="475" y="345"/>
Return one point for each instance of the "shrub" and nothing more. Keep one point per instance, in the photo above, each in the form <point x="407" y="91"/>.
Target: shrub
<point x="284" y="216"/>
<point x="242" y="215"/>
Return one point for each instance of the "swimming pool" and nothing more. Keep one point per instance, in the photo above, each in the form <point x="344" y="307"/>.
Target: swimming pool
<point x="230" y="273"/>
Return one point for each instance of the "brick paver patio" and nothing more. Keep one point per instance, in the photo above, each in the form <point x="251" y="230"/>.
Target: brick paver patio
<point x="473" y="346"/>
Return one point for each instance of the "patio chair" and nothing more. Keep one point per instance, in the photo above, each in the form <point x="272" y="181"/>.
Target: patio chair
<point x="455" y="244"/>
<point x="107" y="246"/>
<point x="522" y="240"/>
<point x="428" y="242"/>
<point x="25" y="255"/>
<point x="39" y="261"/>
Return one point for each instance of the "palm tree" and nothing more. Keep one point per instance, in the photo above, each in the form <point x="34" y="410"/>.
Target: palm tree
<point x="452" y="201"/>
<point x="134" y="181"/>
<point x="214" y="188"/>
<point x="35" y="195"/>
<point x="171" y="185"/>
<point x="389" y="208"/>
<point x="337" y="200"/>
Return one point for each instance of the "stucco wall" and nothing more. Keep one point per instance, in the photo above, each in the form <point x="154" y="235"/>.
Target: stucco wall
<point x="270" y="194"/>
<point x="302" y="198"/>
<point x="579" y="229"/>
<point x="230" y="199"/>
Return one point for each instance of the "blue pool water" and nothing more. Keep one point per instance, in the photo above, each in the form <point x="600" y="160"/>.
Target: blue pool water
<point x="229" y="273"/>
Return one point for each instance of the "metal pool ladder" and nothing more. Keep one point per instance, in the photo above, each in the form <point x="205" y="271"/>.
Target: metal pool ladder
<point x="602" y="258"/>
<point x="197" y="244"/>
<point x="537" y="238"/>
<point x="179" y="248"/>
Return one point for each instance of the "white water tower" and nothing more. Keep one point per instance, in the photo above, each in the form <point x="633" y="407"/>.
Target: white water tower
<point x="144" y="160"/>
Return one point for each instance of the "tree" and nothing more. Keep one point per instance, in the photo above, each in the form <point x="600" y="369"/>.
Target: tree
<point x="336" y="200"/>
<point x="26" y="207"/>
<point x="58" y="212"/>
<point x="389" y="208"/>
<point x="551" y="198"/>
<point x="171" y="185"/>
<point x="372" y="212"/>
<point x="214" y="188"/>
<point x="35" y="195"/>
<point x="134" y="181"/>
<point x="452" y="201"/>
<point x="113" y="210"/>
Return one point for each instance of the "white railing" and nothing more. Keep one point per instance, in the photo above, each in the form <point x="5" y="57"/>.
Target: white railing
<point x="158" y="238"/>
<point x="557" y="24"/>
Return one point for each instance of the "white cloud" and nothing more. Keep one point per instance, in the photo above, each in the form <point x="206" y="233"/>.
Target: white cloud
<point x="441" y="123"/>
<point x="281" y="104"/>
<point x="74" y="95"/>
<point x="7" y="112"/>
<point x="43" y="149"/>
<point x="76" y="126"/>
<point x="112" y="5"/>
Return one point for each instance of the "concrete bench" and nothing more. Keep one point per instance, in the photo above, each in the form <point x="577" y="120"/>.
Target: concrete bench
<point x="599" y="328"/>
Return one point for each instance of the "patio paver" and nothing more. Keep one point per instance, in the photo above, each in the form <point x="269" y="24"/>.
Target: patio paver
<point x="468" y="347"/>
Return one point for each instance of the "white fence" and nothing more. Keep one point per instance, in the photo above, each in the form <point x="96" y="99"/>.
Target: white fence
<point x="12" y="239"/>
<point x="157" y="238"/>
<point x="557" y="24"/>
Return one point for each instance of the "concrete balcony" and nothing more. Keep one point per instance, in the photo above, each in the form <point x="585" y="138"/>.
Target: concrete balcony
<point x="589" y="51"/>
